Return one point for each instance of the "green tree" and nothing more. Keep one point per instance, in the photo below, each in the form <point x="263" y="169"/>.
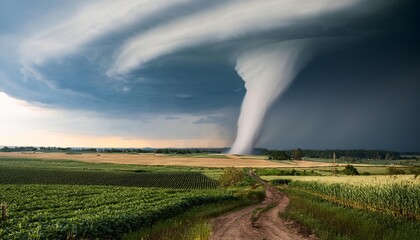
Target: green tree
<point x="350" y="170"/>
<point x="297" y="154"/>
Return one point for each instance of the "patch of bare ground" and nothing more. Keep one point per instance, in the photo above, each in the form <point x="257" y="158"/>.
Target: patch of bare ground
<point x="233" y="156"/>
<point x="260" y="221"/>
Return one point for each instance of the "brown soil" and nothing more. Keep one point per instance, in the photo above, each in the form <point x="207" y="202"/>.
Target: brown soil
<point x="166" y="160"/>
<point x="268" y="225"/>
<point x="233" y="156"/>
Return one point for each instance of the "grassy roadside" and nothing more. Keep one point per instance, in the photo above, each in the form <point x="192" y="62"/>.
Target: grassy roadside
<point x="192" y="225"/>
<point x="331" y="221"/>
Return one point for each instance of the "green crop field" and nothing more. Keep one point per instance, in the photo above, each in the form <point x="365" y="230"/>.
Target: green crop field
<point x="354" y="207"/>
<point x="177" y="180"/>
<point x="374" y="180"/>
<point x="63" y="211"/>
<point x="396" y="195"/>
<point x="61" y="199"/>
<point x="71" y="172"/>
<point x="28" y="163"/>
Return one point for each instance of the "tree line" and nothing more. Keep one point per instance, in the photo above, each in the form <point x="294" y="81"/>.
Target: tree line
<point x="298" y="154"/>
<point x="112" y="150"/>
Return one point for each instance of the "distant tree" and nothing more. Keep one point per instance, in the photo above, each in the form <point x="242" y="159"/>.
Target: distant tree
<point x="350" y="170"/>
<point x="297" y="154"/>
<point x="278" y="155"/>
<point x="5" y="149"/>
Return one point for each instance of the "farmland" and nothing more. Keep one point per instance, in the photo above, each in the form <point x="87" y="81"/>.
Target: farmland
<point x="388" y="196"/>
<point x="60" y="212"/>
<point x="388" y="205"/>
<point x="175" y="180"/>
<point x="68" y="199"/>
<point x="58" y="195"/>
<point x="373" y="180"/>
<point x="213" y="161"/>
<point x="332" y="221"/>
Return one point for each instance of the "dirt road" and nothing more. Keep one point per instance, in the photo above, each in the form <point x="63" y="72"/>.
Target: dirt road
<point x="239" y="224"/>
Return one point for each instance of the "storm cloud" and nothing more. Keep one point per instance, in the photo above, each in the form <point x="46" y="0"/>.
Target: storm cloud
<point x="132" y="60"/>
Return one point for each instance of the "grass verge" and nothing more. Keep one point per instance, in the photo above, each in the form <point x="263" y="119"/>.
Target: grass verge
<point x="331" y="221"/>
<point x="192" y="225"/>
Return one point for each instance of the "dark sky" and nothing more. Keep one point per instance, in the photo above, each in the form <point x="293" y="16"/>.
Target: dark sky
<point x="364" y="93"/>
<point x="360" y="89"/>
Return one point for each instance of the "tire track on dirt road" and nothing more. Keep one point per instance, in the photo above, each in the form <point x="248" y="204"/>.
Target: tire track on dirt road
<point x="269" y="226"/>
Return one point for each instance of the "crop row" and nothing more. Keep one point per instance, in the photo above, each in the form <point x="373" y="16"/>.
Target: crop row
<point x="373" y="180"/>
<point x="398" y="199"/>
<point x="64" y="211"/>
<point x="177" y="180"/>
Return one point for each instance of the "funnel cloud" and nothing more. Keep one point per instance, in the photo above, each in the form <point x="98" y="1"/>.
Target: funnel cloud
<point x="267" y="71"/>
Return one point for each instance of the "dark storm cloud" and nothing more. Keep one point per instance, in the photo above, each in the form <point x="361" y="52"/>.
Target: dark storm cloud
<point x="77" y="80"/>
<point x="363" y="94"/>
<point x="360" y="91"/>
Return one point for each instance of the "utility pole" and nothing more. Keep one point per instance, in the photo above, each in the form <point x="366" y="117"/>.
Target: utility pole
<point x="3" y="211"/>
<point x="334" y="163"/>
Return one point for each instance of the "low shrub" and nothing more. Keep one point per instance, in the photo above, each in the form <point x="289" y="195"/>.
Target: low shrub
<point x="281" y="181"/>
<point x="231" y="177"/>
<point x="395" y="171"/>
<point x="350" y="170"/>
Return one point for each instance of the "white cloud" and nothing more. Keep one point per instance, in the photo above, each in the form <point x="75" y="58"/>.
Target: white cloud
<point x="93" y="20"/>
<point x="30" y="74"/>
<point x="231" y="20"/>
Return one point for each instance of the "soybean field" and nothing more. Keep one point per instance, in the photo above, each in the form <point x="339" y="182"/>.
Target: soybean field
<point x="176" y="180"/>
<point x="16" y="172"/>
<point x="91" y="212"/>
<point x="75" y="200"/>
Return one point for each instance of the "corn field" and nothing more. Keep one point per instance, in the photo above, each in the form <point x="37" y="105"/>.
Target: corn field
<point x="373" y="180"/>
<point x="381" y="194"/>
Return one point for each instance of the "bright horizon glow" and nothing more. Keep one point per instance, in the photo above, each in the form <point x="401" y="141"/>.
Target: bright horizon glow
<point x="24" y="124"/>
<point x="70" y="140"/>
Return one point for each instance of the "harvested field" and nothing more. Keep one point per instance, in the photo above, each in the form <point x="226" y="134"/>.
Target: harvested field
<point x="166" y="160"/>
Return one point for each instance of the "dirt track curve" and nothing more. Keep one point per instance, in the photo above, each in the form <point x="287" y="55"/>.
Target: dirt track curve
<point x="269" y="226"/>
